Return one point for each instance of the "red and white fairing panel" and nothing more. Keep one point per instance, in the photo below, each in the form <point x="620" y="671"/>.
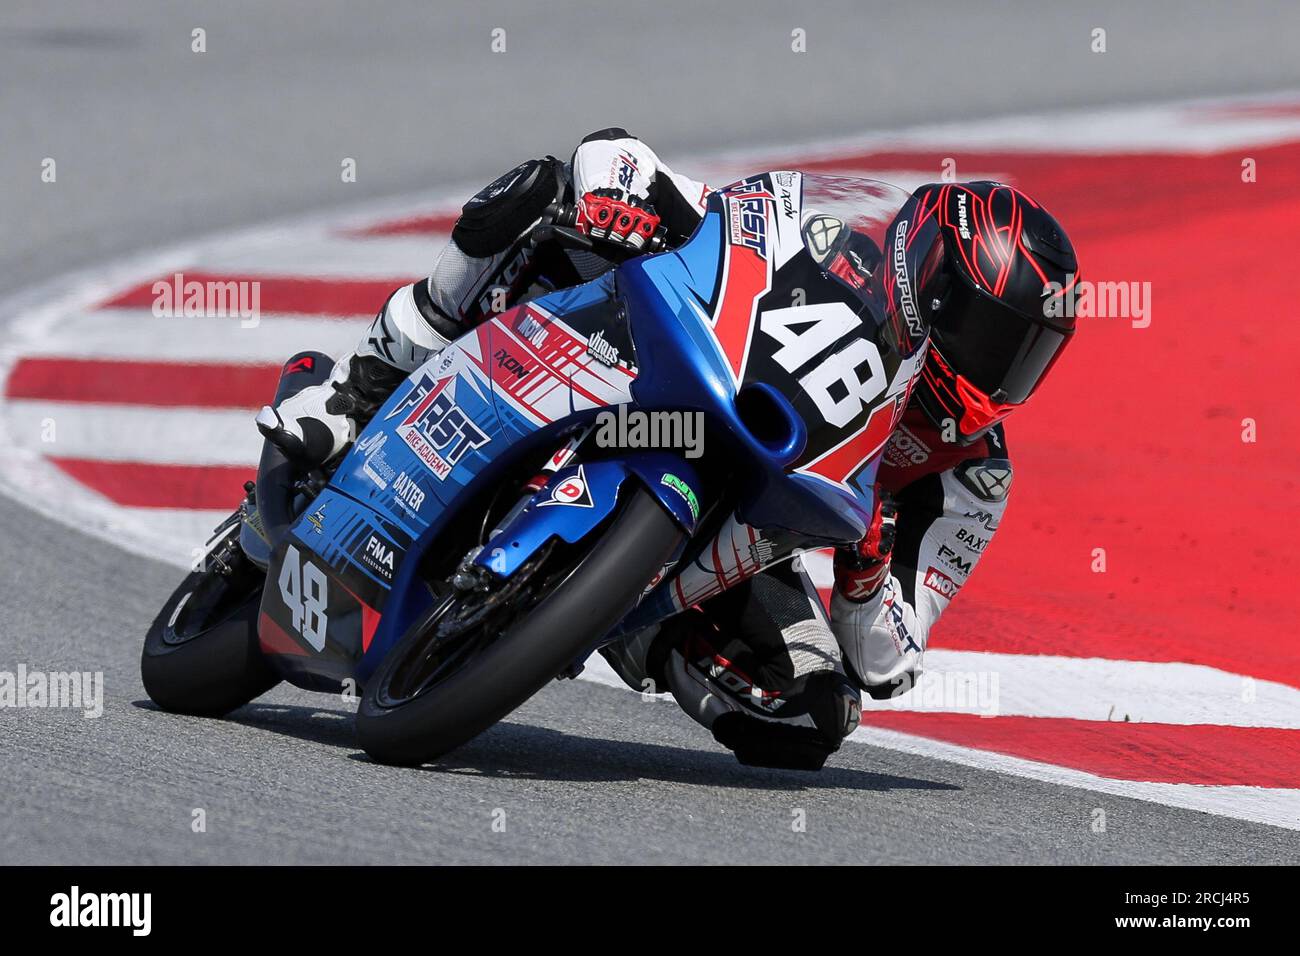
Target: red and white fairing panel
<point x="763" y="234"/>
<point x="786" y="323"/>
<point x="859" y="447"/>
<point x="536" y="366"/>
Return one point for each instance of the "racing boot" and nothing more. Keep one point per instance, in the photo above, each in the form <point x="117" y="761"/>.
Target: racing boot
<point x="761" y="669"/>
<point x="319" y="422"/>
<point x="640" y="658"/>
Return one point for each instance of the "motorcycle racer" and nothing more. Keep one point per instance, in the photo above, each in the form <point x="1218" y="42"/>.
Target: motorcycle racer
<point x="981" y="257"/>
<point x="624" y="193"/>
<point x="762" y="665"/>
<point x="946" y="471"/>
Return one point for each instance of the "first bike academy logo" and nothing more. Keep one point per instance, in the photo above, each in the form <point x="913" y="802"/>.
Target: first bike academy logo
<point x="747" y="214"/>
<point x="436" y="428"/>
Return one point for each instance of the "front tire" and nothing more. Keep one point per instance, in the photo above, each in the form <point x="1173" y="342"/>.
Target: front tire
<point x="594" y="596"/>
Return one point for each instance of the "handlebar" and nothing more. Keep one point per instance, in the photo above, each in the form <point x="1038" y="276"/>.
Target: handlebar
<point x="559" y="224"/>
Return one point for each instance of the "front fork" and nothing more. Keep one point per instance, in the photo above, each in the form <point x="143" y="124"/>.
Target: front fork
<point x="576" y="497"/>
<point x="562" y="457"/>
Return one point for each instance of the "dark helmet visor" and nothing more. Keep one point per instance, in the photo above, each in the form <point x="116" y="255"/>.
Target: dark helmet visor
<point x="1000" y="351"/>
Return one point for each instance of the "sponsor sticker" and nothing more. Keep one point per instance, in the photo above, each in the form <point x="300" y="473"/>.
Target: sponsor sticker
<point x="572" y="491"/>
<point x="747" y="214"/>
<point x="906" y="448"/>
<point x="439" y="431"/>
<point x="408" y="493"/>
<point x="683" y="489"/>
<point x="376" y="467"/>
<point x="599" y="348"/>
<point x="955" y="561"/>
<point x="531" y="329"/>
<point x="379" y="555"/>
<point x="317" y="520"/>
<point x="511" y="363"/>
<point x="940" y="583"/>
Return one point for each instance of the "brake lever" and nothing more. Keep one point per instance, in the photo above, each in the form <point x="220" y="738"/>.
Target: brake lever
<point x="565" y="236"/>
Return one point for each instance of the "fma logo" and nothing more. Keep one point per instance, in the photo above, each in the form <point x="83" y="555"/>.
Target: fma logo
<point x="436" y="428"/>
<point x="380" y="555"/>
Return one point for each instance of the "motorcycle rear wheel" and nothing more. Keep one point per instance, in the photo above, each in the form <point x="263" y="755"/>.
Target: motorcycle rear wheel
<point x="201" y="654"/>
<point x="407" y="722"/>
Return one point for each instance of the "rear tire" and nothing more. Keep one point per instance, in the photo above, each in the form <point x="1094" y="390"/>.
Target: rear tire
<point x="205" y="660"/>
<point x="604" y="585"/>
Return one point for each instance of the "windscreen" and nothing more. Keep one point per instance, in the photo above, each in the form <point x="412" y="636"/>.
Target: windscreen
<point x="846" y="227"/>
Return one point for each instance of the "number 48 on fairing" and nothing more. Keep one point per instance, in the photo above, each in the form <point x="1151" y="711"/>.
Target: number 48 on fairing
<point x="825" y="324"/>
<point x="305" y="591"/>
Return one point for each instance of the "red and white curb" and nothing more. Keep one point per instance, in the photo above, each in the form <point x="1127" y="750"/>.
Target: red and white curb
<point x="1174" y="676"/>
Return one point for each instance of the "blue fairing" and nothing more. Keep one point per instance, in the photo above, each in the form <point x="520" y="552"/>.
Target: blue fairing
<point x="682" y="367"/>
<point x="465" y="421"/>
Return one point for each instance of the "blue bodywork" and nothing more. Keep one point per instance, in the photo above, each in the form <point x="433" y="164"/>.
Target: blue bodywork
<point x="462" y="422"/>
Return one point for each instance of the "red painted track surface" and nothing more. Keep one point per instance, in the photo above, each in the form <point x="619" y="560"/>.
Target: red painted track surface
<point x="138" y="485"/>
<point x="304" y="295"/>
<point x="164" y="384"/>
<point x="1136" y="447"/>
<point x="1157" y="753"/>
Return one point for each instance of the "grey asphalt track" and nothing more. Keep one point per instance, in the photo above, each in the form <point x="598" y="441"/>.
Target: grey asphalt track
<point x="155" y="143"/>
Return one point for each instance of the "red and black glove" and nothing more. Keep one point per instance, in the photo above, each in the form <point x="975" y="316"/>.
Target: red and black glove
<point x="616" y="217"/>
<point x="861" y="571"/>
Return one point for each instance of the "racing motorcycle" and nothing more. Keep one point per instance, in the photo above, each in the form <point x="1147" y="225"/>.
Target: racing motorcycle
<point x="502" y="515"/>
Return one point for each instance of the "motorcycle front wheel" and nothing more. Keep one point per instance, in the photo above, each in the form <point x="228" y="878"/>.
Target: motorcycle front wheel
<point x="441" y="685"/>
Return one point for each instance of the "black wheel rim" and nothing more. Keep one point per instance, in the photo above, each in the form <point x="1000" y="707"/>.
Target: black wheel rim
<point x="462" y="628"/>
<point x="214" y="599"/>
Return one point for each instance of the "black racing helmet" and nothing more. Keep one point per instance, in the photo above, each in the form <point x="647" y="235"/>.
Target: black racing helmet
<point x="994" y="275"/>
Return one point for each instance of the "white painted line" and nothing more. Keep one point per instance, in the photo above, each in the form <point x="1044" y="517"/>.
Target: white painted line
<point x="170" y="436"/>
<point x="1089" y="688"/>
<point x="328" y="254"/>
<point x="138" y="334"/>
<point x="1273" y="806"/>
